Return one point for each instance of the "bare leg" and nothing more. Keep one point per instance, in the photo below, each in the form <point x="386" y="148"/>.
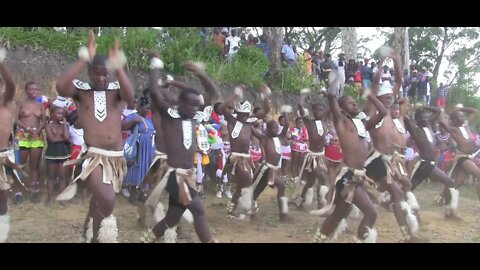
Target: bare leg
<point x="3" y="202"/>
<point x="286" y="164"/>
<point x="295" y="158"/>
<point x="310" y="182"/>
<point x="103" y="198"/>
<point x="363" y="202"/>
<point x="34" y="162"/>
<point x="172" y="218"/>
<point x="200" y="220"/>
<point x="401" y="210"/>
<point x="61" y="172"/>
<point x="51" y="174"/>
<point x="332" y="174"/>
<point x="406" y="184"/>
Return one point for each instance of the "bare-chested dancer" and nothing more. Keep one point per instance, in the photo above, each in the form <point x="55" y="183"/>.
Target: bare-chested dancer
<point x="267" y="172"/>
<point x="178" y="178"/>
<point x="425" y="165"/>
<point x="7" y="156"/>
<point x="352" y="185"/>
<point x="314" y="165"/>
<point x="286" y="149"/>
<point x="467" y="150"/>
<point x="150" y="212"/>
<point x="239" y="163"/>
<point x="100" y="106"/>
<point x="381" y="164"/>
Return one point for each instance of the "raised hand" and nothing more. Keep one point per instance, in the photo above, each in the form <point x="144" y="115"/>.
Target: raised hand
<point x="196" y="67"/>
<point x="333" y="83"/>
<point x="116" y="57"/>
<point x="92" y="46"/>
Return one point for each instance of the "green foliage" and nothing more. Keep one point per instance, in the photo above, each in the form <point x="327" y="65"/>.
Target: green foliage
<point x="295" y="79"/>
<point x="249" y="68"/>
<point x="177" y="45"/>
<point x="351" y="90"/>
<point x="136" y="42"/>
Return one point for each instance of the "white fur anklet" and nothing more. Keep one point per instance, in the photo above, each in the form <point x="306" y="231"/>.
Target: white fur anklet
<point x="108" y="231"/>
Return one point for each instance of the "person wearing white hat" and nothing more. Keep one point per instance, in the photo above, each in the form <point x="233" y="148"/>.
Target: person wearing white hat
<point x="239" y="163"/>
<point x="425" y="166"/>
<point x="352" y="186"/>
<point x="462" y="134"/>
<point x="176" y="174"/>
<point x="384" y="163"/>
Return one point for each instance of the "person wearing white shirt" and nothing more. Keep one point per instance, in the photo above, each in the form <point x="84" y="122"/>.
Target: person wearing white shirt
<point x="232" y="46"/>
<point x="339" y="65"/>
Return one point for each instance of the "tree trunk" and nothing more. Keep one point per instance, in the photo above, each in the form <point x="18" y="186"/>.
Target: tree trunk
<point x="401" y="46"/>
<point x="275" y="41"/>
<point x="349" y="42"/>
<point x="328" y="45"/>
<point x="330" y="35"/>
<point x="438" y="61"/>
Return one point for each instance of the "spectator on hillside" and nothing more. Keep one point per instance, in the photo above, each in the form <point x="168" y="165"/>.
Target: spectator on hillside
<point x="442" y="96"/>
<point x="263" y="45"/>
<point x="326" y="67"/>
<point x="288" y="55"/>
<point x="339" y="66"/>
<point x="243" y="40"/>
<point x="422" y="84"/>
<point x="428" y="89"/>
<point x="252" y="41"/>
<point x="386" y="76"/>
<point x="203" y="34"/>
<point x="367" y="74"/>
<point x="219" y="40"/>
<point x="351" y="69"/>
<point x="412" y="92"/>
<point x="308" y="57"/>
<point x="295" y="53"/>
<point x="232" y="46"/>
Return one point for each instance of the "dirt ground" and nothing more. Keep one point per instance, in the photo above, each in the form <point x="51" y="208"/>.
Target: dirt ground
<point x="62" y="223"/>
